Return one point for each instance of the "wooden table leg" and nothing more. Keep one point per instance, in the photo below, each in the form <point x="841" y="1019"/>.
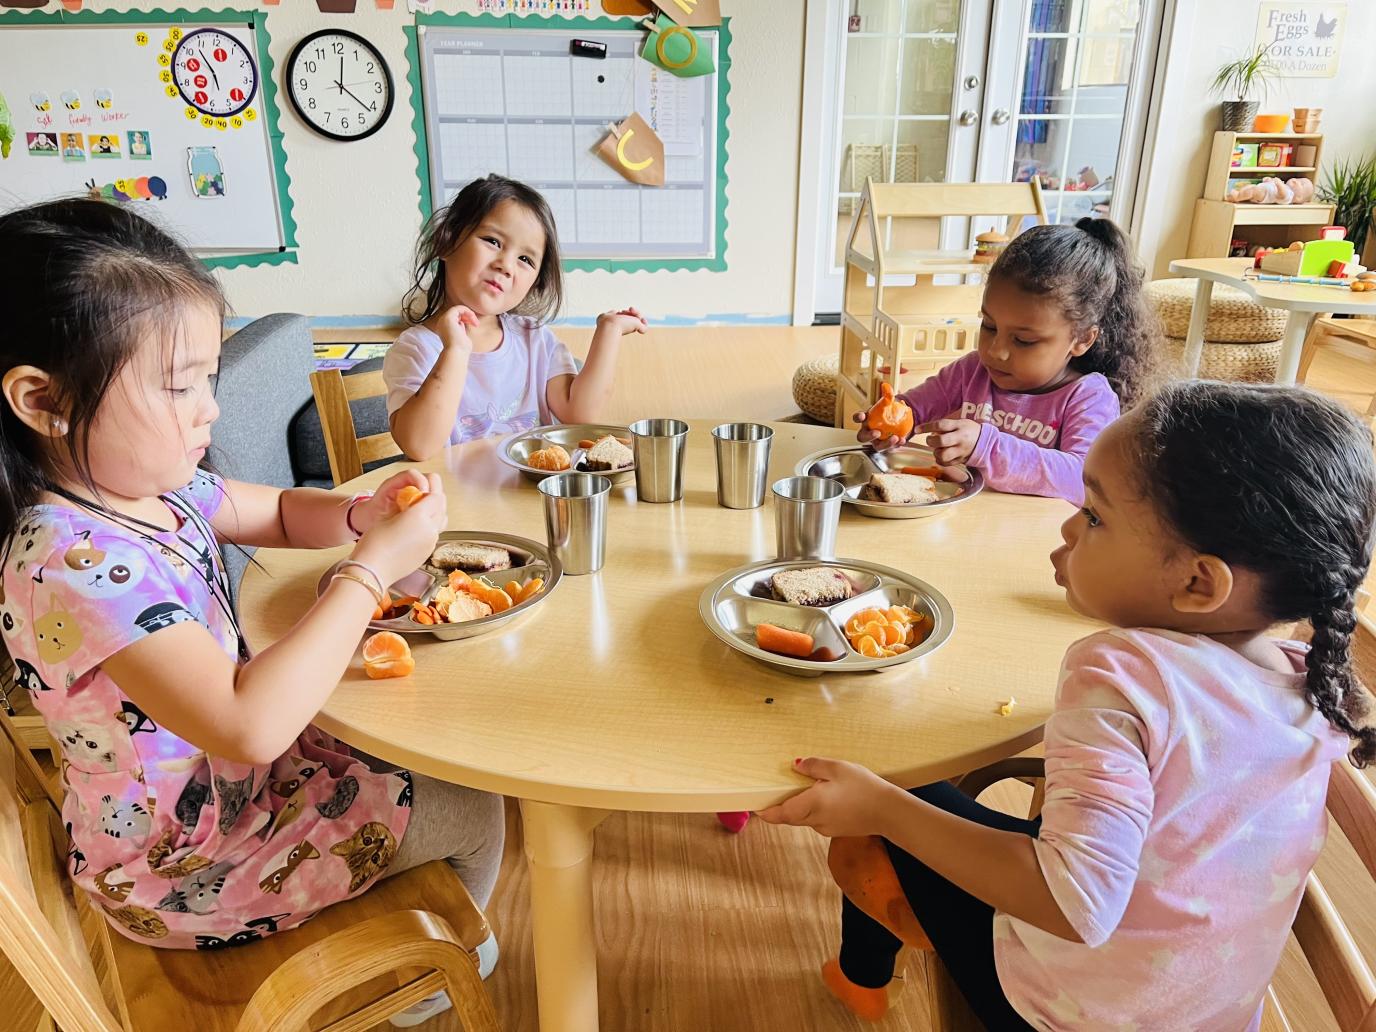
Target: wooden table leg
<point x="558" y="843"/>
<point x="1297" y="326"/>
<point x="1194" y="336"/>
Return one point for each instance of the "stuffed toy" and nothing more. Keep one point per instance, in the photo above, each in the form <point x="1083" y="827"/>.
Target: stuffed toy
<point x="1274" y="191"/>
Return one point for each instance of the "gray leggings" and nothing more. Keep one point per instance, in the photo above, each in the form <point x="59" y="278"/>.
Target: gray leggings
<point x="462" y="826"/>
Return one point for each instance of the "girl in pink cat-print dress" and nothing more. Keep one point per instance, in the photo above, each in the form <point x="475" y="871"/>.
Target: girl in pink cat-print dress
<point x="204" y="809"/>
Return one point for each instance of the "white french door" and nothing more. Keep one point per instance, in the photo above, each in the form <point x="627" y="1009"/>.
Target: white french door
<point x="967" y="91"/>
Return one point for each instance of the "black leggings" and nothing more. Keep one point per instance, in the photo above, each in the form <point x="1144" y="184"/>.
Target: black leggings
<point x="960" y="926"/>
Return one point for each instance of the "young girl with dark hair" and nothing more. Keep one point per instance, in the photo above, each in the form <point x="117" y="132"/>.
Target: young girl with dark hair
<point x="477" y="359"/>
<point x="1067" y="339"/>
<point x="1188" y="753"/>
<point x="205" y="809"/>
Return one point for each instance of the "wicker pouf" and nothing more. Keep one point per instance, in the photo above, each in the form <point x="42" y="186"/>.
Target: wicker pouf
<point x="1249" y="363"/>
<point x="814" y="388"/>
<point x="1234" y="318"/>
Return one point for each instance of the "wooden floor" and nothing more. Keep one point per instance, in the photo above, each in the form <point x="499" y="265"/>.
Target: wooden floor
<point x="701" y="930"/>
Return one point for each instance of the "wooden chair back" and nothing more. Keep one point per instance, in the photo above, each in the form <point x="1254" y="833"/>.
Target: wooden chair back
<point x="1344" y="975"/>
<point x="40" y="929"/>
<point x="346" y="450"/>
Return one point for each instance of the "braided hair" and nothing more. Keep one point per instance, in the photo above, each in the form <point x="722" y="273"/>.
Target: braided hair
<point x="1282" y="482"/>
<point x="1090" y="271"/>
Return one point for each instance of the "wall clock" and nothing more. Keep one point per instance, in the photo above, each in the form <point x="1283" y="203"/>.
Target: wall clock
<point x="214" y="72"/>
<point x="339" y="85"/>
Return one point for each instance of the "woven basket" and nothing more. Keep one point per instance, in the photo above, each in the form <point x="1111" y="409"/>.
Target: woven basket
<point x="814" y="388"/>
<point x="1248" y="363"/>
<point x="1234" y="318"/>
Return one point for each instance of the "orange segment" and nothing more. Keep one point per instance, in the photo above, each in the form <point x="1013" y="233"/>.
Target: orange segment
<point x="408" y="496"/>
<point x="386" y="654"/>
<point x="532" y="588"/>
<point x="882" y="633"/>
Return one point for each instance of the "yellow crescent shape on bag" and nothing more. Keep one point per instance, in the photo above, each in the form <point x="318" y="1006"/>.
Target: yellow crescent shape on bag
<point x="634" y="166"/>
<point x="662" y="51"/>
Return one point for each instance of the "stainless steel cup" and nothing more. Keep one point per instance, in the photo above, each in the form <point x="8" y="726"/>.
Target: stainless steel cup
<point x="806" y="512"/>
<point x="742" y="463"/>
<point x="658" y="446"/>
<point x="576" y="519"/>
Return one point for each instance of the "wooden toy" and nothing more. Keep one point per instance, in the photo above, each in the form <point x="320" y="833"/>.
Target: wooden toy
<point x="1312" y="258"/>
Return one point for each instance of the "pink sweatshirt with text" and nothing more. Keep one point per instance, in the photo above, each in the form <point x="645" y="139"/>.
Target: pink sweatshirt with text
<point x="1029" y="443"/>
<point x="1185" y="790"/>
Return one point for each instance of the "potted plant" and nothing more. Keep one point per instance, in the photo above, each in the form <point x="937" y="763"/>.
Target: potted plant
<point x="1350" y="187"/>
<point x="1242" y="79"/>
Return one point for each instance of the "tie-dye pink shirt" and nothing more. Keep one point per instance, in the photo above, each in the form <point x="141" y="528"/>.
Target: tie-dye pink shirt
<point x="1185" y="792"/>
<point x="177" y="848"/>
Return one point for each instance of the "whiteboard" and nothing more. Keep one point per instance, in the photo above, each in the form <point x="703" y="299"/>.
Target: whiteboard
<point x="96" y="88"/>
<point x="513" y="101"/>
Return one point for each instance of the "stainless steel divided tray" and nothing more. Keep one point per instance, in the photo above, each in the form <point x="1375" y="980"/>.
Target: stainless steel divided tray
<point x="515" y="451"/>
<point x="853" y="466"/>
<point x="738" y="600"/>
<point x="529" y="559"/>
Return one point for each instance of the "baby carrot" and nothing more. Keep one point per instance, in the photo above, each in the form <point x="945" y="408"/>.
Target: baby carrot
<point x="772" y="638"/>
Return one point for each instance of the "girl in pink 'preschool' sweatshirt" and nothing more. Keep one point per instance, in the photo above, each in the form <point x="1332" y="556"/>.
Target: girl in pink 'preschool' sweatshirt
<point x="1065" y="342"/>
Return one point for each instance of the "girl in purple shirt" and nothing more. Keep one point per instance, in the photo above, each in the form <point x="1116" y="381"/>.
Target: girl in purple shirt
<point x="1066" y="340"/>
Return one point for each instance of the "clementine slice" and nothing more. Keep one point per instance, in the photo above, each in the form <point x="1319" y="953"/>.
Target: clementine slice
<point x="386" y="654"/>
<point x="408" y="496"/>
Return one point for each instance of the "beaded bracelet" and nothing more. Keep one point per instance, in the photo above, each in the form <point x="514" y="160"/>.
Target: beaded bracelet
<point x="366" y="569"/>
<point x="349" y="513"/>
<point x="350" y="576"/>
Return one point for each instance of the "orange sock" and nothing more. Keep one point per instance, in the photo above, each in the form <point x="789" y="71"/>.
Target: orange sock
<point x="866" y="1004"/>
<point x="861" y="867"/>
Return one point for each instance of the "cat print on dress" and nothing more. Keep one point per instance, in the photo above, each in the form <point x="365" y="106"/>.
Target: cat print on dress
<point x="162" y="849"/>
<point x="233" y="796"/>
<point x="86" y="745"/>
<point x="290" y="810"/>
<point x="286" y="786"/>
<point x="345" y="791"/>
<point x="103" y="573"/>
<point x="189" y="804"/>
<point x="367" y="852"/>
<point x="125" y="820"/>
<point x="118" y="891"/>
<point x="25" y="540"/>
<point x="252" y="932"/>
<point x="138" y="920"/>
<point x="405" y="796"/>
<point x="26" y="674"/>
<point x="302" y="852"/>
<point x="57" y="634"/>
<point x="136" y="720"/>
<point x="198" y="891"/>
<point x="163" y="614"/>
<point x="75" y="857"/>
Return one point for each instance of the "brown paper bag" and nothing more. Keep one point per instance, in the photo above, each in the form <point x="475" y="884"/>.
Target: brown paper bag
<point x="693" y="13"/>
<point x="635" y="150"/>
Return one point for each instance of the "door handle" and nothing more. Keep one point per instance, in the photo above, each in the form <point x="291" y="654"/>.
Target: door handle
<point x="968" y="117"/>
<point x="1000" y="116"/>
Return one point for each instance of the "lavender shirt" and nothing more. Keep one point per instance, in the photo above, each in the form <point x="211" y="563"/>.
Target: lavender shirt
<point x="1029" y="443"/>
<point x="505" y="389"/>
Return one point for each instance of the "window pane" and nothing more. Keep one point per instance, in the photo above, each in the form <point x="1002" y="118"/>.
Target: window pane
<point x="921" y="153"/>
<point x="929" y="68"/>
<point x="879" y="16"/>
<point x="932" y="16"/>
<point x="1084" y="15"/>
<point x="871" y="80"/>
<point x="866" y="144"/>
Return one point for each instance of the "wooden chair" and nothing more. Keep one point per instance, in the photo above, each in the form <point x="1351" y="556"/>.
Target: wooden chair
<point x="346" y="970"/>
<point x="1355" y="337"/>
<point x="348" y="452"/>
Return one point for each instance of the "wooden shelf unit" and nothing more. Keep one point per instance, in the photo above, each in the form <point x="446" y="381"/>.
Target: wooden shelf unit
<point x="1217" y="222"/>
<point x="897" y="320"/>
<point x="1222" y="171"/>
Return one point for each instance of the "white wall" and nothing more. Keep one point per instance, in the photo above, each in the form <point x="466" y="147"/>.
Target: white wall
<point x="1207" y="35"/>
<point x="357" y="210"/>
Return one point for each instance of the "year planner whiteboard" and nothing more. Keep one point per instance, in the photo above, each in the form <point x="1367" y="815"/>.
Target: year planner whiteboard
<point x="95" y="107"/>
<point x="513" y="100"/>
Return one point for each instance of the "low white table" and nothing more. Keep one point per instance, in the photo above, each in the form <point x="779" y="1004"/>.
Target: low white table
<point x="1303" y="302"/>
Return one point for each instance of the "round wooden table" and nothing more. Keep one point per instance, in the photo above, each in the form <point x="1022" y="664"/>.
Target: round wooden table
<point x="612" y="695"/>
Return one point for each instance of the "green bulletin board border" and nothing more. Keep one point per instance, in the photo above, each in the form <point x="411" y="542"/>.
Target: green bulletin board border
<point x="497" y="21"/>
<point x="267" y="84"/>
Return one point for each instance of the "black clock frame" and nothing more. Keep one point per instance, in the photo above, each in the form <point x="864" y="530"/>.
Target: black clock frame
<point x="248" y="52"/>
<point x="381" y="62"/>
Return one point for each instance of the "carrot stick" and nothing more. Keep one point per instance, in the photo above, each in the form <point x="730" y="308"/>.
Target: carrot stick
<point x="772" y="638"/>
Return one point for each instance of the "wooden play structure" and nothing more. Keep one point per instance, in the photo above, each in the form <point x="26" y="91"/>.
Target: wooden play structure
<point x="909" y="307"/>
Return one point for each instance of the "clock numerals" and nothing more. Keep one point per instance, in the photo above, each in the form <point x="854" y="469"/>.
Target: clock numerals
<point x="339" y="85"/>
<point x="214" y="73"/>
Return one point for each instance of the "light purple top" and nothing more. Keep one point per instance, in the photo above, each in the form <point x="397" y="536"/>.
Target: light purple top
<point x="505" y="389"/>
<point x="1030" y="443"/>
<point x="1185" y="790"/>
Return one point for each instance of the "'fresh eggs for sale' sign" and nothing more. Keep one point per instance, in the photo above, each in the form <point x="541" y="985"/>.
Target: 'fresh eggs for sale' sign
<point x="1304" y="38"/>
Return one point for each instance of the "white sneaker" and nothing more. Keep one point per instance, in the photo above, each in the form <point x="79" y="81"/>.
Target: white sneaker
<point x="438" y="1003"/>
